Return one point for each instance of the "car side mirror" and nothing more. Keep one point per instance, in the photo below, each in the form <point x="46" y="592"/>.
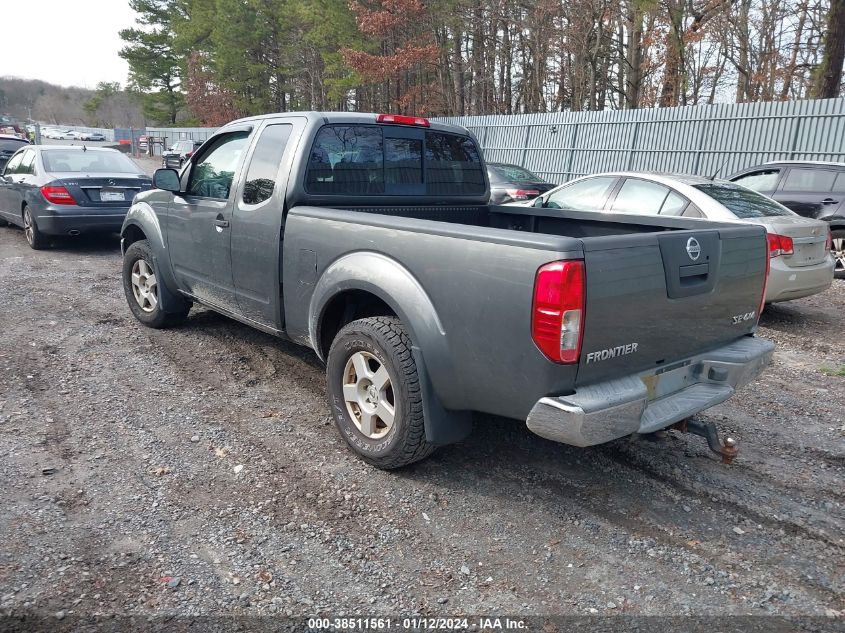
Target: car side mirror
<point x="539" y="202"/>
<point x="168" y="180"/>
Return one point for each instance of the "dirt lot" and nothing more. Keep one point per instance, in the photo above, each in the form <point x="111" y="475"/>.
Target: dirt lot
<point x="196" y="471"/>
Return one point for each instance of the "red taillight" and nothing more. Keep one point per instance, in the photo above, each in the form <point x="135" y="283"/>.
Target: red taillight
<point x="188" y="154"/>
<point x="779" y="245"/>
<point x="522" y="194"/>
<point x="57" y="195"/>
<point x="557" y="317"/>
<point x="401" y="119"/>
<point x="766" y="279"/>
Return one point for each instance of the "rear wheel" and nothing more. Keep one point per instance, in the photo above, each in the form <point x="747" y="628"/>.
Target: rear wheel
<point x="34" y="237"/>
<point x="142" y="289"/>
<point x="374" y="393"/>
<point x="839" y="253"/>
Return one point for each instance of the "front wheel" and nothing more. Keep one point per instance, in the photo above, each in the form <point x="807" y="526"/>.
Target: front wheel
<point x="838" y="251"/>
<point x="374" y="393"/>
<point x="142" y="289"/>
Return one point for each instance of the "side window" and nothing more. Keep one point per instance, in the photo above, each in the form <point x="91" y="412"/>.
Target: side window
<point x="764" y="180"/>
<point x="12" y="165"/>
<point x="346" y="159"/>
<point x="692" y="211"/>
<point x="640" y="196"/>
<point x="264" y="165"/>
<point x="213" y="173"/>
<point x="27" y="165"/>
<point x="674" y="204"/>
<point x="809" y="180"/>
<point x="839" y="185"/>
<point x="584" y="195"/>
<point x="452" y="165"/>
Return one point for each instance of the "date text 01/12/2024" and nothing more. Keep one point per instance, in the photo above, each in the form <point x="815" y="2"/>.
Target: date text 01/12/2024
<point x="482" y="623"/>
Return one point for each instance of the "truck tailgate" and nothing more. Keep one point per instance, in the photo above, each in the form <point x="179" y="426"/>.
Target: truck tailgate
<point x="656" y="298"/>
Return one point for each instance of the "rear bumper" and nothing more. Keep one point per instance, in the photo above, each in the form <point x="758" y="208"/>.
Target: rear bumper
<point x="787" y="283"/>
<point x="650" y="401"/>
<point x="80" y="220"/>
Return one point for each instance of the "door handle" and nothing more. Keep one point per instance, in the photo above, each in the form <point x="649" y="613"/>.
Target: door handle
<point x="829" y="201"/>
<point x="223" y="224"/>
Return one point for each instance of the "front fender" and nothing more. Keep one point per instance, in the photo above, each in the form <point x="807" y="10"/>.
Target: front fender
<point x="142" y="216"/>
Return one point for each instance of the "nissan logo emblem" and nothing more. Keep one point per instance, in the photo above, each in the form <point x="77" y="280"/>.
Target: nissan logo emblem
<point x="693" y="249"/>
<point x="111" y="183"/>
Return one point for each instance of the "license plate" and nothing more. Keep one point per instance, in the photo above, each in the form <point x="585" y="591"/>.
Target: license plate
<point x="112" y="196"/>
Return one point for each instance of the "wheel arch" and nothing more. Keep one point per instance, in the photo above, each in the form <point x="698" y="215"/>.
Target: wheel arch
<point x="365" y="284"/>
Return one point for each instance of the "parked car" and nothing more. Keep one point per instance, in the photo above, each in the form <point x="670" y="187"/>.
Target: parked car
<point x="8" y="146"/>
<point x="511" y="183"/>
<point x="801" y="264"/>
<point x="176" y="155"/>
<point x="369" y="238"/>
<point x="92" y="136"/>
<point x="56" y="190"/>
<point x="63" y="134"/>
<point x="73" y="135"/>
<point x="813" y="189"/>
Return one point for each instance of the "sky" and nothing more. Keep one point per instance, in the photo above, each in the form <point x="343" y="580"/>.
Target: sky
<point x="67" y="42"/>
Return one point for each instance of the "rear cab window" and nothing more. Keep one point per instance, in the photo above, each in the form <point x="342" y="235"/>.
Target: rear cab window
<point x="383" y="160"/>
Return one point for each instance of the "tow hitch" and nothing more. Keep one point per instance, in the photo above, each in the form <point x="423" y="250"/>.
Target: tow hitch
<point x="708" y="431"/>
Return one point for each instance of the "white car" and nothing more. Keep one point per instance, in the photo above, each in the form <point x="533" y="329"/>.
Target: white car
<point x="799" y="248"/>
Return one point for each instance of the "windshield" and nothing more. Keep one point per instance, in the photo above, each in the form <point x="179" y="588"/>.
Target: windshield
<point x="512" y="173"/>
<point x="88" y="162"/>
<point x="742" y="202"/>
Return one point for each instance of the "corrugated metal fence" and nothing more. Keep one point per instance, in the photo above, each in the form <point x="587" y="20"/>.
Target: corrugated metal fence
<point x="173" y="134"/>
<point x="697" y="140"/>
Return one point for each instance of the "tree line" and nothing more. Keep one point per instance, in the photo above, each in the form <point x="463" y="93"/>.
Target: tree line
<point x="209" y="61"/>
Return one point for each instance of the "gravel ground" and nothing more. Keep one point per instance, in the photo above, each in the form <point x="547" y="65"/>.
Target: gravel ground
<point x="196" y="471"/>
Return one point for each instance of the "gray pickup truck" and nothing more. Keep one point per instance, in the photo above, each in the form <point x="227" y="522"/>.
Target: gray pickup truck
<point x="369" y="238"/>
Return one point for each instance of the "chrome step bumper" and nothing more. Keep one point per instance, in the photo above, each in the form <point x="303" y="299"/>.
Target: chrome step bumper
<point x="652" y="400"/>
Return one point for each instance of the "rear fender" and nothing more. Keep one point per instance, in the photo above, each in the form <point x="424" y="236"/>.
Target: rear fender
<point x="398" y="288"/>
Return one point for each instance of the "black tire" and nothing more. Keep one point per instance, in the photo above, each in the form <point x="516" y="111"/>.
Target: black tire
<point x="384" y="339"/>
<point x="839" y="270"/>
<point x="4" y="222"/>
<point x="153" y="316"/>
<point x="34" y="237"/>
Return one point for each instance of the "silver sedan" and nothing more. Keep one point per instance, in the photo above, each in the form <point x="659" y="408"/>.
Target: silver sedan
<point x="61" y="190"/>
<point x="799" y="248"/>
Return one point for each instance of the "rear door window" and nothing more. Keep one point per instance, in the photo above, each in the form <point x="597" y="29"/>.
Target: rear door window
<point x="839" y="185"/>
<point x="27" y="165"/>
<point x="674" y="204"/>
<point x="640" y="196"/>
<point x="762" y="180"/>
<point x="264" y="165"/>
<point x="585" y="195"/>
<point x="809" y="180"/>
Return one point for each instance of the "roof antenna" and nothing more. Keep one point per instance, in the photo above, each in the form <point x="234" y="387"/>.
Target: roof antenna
<point x="713" y="177"/>
<point x="85" y="149"/>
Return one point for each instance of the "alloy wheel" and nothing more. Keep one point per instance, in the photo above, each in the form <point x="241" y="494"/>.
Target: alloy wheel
<point x="144" y="285"/>
<point x="28" y="228"/>
<point x="368" y="393"/>
<point x="838" y="251"/>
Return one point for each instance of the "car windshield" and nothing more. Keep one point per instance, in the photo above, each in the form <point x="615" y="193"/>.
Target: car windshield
<point x="512" y="173"/>
<point x="87" y="162"/>
<point x="742" y="202"/>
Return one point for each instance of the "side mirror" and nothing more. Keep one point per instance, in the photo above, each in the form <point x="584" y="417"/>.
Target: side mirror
<point x="539" y="202"/>
<point x="168" y="180"/>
